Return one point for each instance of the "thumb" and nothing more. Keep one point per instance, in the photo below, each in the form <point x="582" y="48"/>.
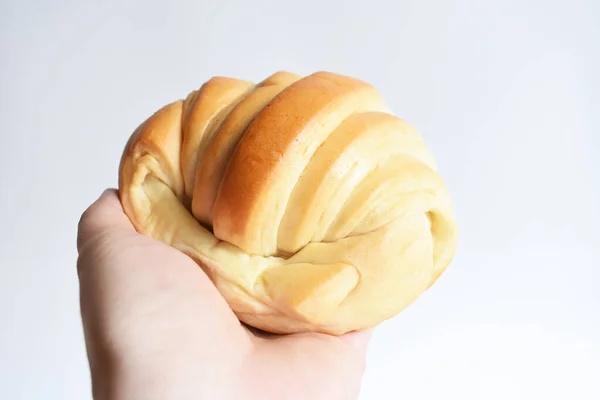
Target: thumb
<point x="119" y="267"/>
<point x="104" y="217"/>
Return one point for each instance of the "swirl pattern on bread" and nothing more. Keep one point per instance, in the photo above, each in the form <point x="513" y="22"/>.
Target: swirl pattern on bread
<point x="307" y="202"/>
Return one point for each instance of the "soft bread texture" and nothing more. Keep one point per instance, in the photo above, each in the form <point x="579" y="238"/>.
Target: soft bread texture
<point x="310" y="206"/>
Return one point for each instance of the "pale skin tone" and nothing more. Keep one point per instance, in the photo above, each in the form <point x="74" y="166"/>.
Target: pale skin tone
<point x="156" y="328"/>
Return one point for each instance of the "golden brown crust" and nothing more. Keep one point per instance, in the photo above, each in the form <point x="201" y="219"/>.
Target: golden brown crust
<point x="320" y="210"/>
<point x="279" y="141"/>
<point x="211" y="168"/>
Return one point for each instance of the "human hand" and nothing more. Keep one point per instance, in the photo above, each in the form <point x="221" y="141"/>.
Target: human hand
<point x="156" y="328"/>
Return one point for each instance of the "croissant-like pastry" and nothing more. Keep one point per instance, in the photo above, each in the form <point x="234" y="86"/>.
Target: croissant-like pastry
<point x="310" y="206"/>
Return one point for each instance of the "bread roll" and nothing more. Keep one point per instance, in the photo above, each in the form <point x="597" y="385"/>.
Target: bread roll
<point x="310" y="206"/>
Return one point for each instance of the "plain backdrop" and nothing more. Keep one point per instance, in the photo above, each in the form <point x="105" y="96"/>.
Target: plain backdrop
<point x="506" y="94"/>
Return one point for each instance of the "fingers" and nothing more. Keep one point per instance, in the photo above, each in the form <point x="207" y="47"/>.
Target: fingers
<point x="358" y="340"/>
<point x="349" y="349"/>
<point x="298" y="363"/>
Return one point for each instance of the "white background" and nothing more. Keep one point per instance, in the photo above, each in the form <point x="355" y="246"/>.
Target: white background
<point x="506" y="93"/>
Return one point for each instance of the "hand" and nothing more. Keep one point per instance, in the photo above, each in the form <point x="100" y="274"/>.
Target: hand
<point x="156" y="328"/>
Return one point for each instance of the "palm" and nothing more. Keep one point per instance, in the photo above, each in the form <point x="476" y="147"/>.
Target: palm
<point x="145" y="303"/>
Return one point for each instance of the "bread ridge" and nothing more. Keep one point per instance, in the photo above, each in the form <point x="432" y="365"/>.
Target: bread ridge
<point x="278" y="140"/>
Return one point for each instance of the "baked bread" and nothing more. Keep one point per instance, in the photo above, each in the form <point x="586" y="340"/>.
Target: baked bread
<point x="310" y="206"/>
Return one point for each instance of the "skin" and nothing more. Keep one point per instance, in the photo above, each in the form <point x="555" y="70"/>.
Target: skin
<point x="156" y="328"/>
